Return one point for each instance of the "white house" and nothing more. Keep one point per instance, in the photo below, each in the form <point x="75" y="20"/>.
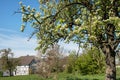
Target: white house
<point x="21" y="70"/>
<point x="6" y="73"/>
<point x="26" y="66"/>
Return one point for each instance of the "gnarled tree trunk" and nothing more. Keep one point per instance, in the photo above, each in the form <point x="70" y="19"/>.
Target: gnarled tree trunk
<point x="110" y="64"/>
<point x="108" y="47"/>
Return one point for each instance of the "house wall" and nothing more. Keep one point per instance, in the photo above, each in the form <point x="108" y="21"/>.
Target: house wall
<point x="22" y="70"/>
<point x="6" y="73"/>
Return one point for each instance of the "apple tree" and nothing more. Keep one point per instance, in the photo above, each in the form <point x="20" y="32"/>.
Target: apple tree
<point x="82" y="21"/>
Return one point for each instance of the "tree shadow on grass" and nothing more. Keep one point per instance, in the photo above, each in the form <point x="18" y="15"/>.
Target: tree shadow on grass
<point x="118" y="79"/>
<point x="75" y="78"/>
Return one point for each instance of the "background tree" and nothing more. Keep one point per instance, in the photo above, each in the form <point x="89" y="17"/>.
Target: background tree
<point x="93" y="21"/>
<point x="8" y="62"/>
<point x="71" y="62"/>
<point x="54" y="56"/>
<point x="51" y="62"/>
<point x="90" y="62"/>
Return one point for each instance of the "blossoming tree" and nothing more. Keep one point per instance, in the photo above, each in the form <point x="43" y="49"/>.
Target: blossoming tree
<point x="91" y="21"/>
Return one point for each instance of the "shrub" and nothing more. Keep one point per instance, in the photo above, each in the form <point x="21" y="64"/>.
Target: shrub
<point x="90" y="62"/>
<point x="71" y="62"/>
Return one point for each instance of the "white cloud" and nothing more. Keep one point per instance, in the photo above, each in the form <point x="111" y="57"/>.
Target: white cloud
<point x="19" y="44"/>
<point x="7" y="30"/>
<point x="69" y="46"/>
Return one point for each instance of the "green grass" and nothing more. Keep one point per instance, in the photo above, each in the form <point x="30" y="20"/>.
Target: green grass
<point x="28" y="77"/>
<point x="62" y="76"/>
<point x="80" y="77"/>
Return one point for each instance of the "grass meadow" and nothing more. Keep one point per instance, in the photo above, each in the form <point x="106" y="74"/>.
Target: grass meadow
<point x="61" y="76"/>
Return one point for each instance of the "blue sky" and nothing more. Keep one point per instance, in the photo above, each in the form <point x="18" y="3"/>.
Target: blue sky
<point x="10" y="35"/>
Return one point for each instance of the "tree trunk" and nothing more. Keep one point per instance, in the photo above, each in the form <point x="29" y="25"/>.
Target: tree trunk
<point x="108" y="48"/>
<point x="110" y="66"/>
<point x="11" y="74"/>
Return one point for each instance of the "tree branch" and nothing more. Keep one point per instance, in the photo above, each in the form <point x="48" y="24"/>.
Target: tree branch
<point x="115" y="7"/>
<point x="85" y="4"/>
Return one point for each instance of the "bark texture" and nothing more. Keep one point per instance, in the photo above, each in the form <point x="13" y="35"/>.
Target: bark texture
<point x="110" y="65"/>
<point x="108" y="48"/>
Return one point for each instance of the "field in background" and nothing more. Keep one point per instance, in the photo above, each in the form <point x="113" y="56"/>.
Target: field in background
<point x="28" y="77"/>
<point x="62" y="76"/>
